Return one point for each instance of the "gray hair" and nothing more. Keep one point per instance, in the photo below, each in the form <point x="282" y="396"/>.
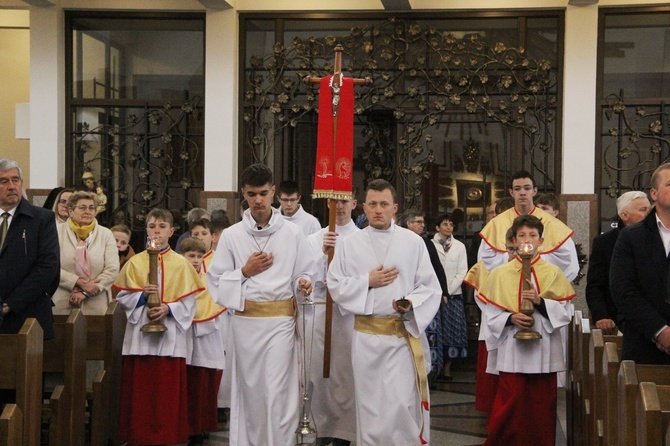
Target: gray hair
<point x="196" y="214"/>
<point x="6" y="165"/>
<point x="625" y="200"/>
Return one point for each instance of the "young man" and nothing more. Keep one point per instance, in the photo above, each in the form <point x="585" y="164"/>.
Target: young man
<point x="154" y="394"/>
<point x="558" y="247"/>
<point x="632" y="207"/>
<point x="372" y="271"/>
<point x="525" y="367"/>
<point x="261" y="263"/>
<point x="292" y="210"/>
<point x="206" y="359"/>
<point x="332" y="398"/>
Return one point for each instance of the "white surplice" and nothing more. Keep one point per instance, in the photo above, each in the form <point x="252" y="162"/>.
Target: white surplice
<point x="264" y="371"/>
<point x="307" y="222"/>
<point x="388" y="404"/>
<point x="333" y="397"/>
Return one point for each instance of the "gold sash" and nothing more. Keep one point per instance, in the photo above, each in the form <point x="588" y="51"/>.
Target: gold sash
<point x="391" y="326"/>
<point x="273" y="308"/>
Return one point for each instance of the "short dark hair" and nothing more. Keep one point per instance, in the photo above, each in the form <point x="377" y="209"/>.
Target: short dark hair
<point x="256" y="175"/>
<point x="444" y="217"/>
<point x="161" y="214"/>
<point x="192" y="244"/>
<point x="288" y="187"/>
<point x="503" y="204"/>
<point x="220" y="220"/>
<point x="380" y="185"/>
<point x="205" y="223"/>
<point x="530" y="221"/>
<point x="521" y="174"/>
<point x="548" y="199"/>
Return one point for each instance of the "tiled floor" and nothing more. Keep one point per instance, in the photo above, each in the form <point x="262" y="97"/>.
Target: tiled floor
<point x="454" y="420"/>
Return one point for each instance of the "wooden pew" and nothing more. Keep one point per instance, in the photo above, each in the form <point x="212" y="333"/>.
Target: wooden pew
<point x="595" y="377"/>
<point x="11" y="425"/>
<point x="611" y="363"/>
<point x="571" y="393"/>
<point x="66" y="355"/>
<point x="21" y="370"/>
<point x="584" y="386"/>
<point x="653" y="414"/>
<point x="629" y="377"/>
<point x="105" y="343"/>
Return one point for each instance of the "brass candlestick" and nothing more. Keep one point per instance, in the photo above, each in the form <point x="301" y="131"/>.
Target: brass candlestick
<point x="152" y="298"/>
<point x="526" y="251"/>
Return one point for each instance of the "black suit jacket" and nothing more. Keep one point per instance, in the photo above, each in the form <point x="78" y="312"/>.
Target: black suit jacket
<point x="29" y="268"/>
<point x="638" y="277"/>
<point x="598" y="296"/>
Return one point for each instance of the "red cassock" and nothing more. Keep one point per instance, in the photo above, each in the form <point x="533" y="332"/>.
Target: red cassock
<point x="486" y="383"/>
<point x="524" y="410"/>
<point x="154" y="394"/>
<point x="203" y="392"/>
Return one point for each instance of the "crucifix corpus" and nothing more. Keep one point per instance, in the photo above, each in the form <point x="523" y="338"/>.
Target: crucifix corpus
<point x="334" y="157"/>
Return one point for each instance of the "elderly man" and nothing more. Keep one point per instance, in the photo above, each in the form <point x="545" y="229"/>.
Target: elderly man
<point x="29" y="255"/>
<point x="632" y="208"/>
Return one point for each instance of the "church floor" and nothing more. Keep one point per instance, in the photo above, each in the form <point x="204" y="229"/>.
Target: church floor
<point x="454" y="420"/>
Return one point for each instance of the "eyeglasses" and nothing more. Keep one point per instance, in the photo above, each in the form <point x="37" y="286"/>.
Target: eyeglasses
<point x="83" y="208"/>
<point x="512" y="250"/>
<point x="288" y="200"/>
<point x="62" y="201"/>
<point x="419" y="222"/>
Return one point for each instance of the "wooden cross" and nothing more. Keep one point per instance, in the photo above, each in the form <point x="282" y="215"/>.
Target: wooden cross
<point x="337" y="76"/>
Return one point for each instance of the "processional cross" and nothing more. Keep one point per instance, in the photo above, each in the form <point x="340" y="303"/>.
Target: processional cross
<point x="334" y="158"/>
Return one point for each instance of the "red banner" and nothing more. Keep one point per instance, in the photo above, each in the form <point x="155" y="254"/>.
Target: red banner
<point x="335" y="142"/>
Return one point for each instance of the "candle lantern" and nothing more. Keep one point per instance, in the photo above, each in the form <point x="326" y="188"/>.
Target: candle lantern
<point x="152" y="298"/>
<point x="526" y="252"/>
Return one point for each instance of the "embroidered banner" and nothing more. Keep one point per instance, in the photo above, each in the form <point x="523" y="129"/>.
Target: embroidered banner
<point x="335" y="141"/>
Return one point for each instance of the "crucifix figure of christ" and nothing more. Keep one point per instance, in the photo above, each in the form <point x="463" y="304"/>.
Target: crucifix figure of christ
<point x="334" y="159"/>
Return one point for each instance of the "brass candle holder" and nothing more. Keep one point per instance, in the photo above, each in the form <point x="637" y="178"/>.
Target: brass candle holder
<point x="152" y="298"/>
<point x="526" y="252"/>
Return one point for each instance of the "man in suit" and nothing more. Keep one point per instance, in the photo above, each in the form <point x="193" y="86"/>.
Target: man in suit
<point x="29" y="256"/>
<point x="639" y="278"/>
<point x="632" y="207"/>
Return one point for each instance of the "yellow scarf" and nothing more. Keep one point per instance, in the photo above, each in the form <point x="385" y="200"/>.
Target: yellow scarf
<point x="81" y="231"/>
<point x="179" y="277"/>
<point x="555" y="231"/>
<point x="504" y="285"/>
<point x="205" y="307"/>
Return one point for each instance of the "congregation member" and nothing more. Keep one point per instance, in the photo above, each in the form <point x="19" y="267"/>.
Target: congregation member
<point x="332" y="398"/>
<point x="640" y="281"/>
<point x="154" y="391"/>
<point x="89" y="259"/>
<point x="60" y="206"/>
<point x="415" y="221"/>
<point x="259" y="266"/>
<point x="206" y="359"/>
<point x="381" y="274"/>
<point x="122" y="237"/>
<point x="632" y="207"/>
<point x="558" y="247"/>
<point x="453" y="336"/>
<point x="29" y="256"/>
<point x="292" y="210"/>
<point x="526" y="367"/>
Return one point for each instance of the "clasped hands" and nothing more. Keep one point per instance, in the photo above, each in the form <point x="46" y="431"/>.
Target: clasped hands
<point x="159" y="312"/>
<point x="521" y="320"/>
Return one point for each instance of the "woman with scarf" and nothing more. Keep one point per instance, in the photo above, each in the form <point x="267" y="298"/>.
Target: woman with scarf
<point x="89" y="259"/>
